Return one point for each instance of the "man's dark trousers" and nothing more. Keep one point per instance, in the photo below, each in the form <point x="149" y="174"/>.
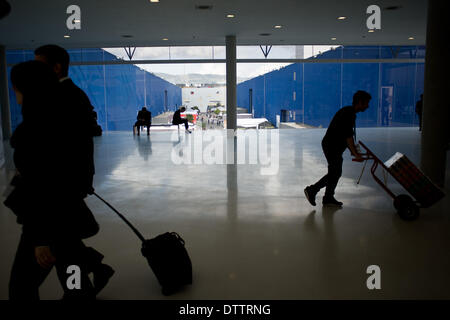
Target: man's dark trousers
<point x="330" y="180"/>
<point x="141" y="123"/>
<point x="27" y="275"/>
<point x="181" y="121"/>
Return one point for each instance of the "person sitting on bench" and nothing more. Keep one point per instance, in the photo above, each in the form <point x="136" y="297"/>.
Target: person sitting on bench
<point x="144" y="118"/>
<point x="178" y="120"/>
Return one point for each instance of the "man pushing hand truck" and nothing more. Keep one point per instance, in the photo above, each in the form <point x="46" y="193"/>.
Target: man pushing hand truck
<point x="339" y="136"/>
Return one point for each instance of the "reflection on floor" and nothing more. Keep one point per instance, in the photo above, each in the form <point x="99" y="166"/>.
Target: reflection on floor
<point x="251" y="233"/>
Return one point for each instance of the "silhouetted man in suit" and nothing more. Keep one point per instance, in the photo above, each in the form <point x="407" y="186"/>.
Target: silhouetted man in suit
<point x="53" y="220"/>
<point x="144" y="118"/>
<point x="78" y="114"/>
<point x="339" y="136"/>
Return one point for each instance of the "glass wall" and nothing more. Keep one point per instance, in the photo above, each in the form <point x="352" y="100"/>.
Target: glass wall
<point x="311" y="93"/>
<point x="117" y="92"/>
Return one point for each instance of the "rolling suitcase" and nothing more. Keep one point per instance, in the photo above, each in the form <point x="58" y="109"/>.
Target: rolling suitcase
<point x="166" y="255"/>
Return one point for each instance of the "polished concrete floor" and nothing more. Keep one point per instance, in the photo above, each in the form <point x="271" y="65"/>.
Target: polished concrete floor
<point x="252" y="235"/>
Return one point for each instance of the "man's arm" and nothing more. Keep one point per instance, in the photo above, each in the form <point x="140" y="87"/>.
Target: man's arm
<point x="352" y="147"/>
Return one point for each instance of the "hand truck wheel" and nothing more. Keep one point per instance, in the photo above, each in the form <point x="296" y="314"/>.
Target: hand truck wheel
<point x="406" y="208"/>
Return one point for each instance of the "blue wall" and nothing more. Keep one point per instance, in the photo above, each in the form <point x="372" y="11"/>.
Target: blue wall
<point x="116" y="91"/>
<point x="315" y="91"/>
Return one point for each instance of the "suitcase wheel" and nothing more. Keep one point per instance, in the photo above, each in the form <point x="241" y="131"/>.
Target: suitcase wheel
<point x="406" y="208"/>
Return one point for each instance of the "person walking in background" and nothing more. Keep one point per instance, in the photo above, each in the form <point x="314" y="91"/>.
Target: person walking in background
<point x="419" y="110"/>
<point x="339" y="136"/>
<point x="178" y="120"/>
<point x="144" y="118"/>
<point x="77" y="113"/>
<point x="42" y="199"/>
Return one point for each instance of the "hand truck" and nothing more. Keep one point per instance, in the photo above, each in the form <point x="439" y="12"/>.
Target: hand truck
<point x="425" y="193"/>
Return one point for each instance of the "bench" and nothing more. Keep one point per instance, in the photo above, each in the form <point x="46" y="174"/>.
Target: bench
<point x="160" y="125"/>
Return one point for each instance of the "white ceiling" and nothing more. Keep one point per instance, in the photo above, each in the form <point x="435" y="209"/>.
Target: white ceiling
<point x="103" y="23"/>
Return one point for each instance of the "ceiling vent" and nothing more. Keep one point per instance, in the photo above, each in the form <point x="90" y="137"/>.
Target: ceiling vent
<point x="203" y="7"/>
<point x="392" y="8"/>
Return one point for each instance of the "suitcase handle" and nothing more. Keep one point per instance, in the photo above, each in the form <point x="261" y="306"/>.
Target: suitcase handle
<point x="122" y="217"/>
<point x="178" y="237"/>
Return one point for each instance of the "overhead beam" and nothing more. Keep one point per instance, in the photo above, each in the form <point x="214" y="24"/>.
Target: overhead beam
<point x="185" y="61"/>
<point x="265" y="50"/>
<point x="130" y="52"/>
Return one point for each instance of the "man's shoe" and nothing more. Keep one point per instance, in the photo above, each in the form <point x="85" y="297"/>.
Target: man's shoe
<point x="310" y="195"/>
<point x="188" y="131"/>
<point x="102" y="274"/>
<point x="331" y="201"/>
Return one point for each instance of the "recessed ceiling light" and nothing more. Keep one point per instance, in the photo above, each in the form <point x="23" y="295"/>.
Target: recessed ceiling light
<point x="277" y="27"/>
<point x="230" y="16"/>
<point x="342" y="18"/>
<point x="165" y="39"/>
<point x="154" y="0"/>
<point x="333" y="39"/>
<point x="371" y="30"/>
<point x="411" y="38"/>
<point x="66" y="36"/>
<point x="77" y="20"/>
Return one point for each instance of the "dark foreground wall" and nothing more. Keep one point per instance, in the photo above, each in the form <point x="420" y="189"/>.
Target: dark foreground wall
<point x="116" y="91"/>
<point x="311" y="93"/>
